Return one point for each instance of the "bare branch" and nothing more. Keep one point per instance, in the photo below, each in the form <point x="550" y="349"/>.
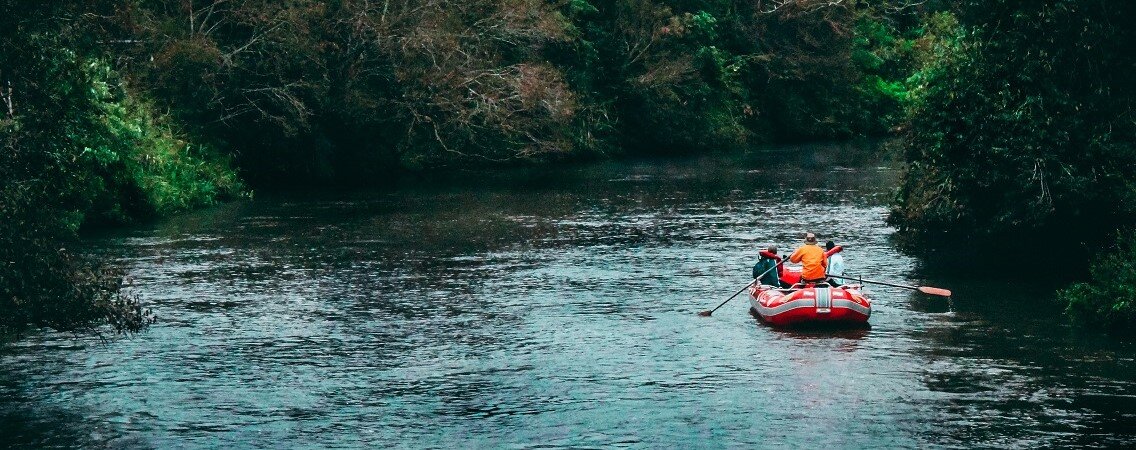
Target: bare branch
<point x="256" y="38"/>
<point x="808" y="5"/>
<point x="6" y="93"/>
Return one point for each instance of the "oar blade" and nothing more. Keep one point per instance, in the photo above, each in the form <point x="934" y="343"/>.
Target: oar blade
<point x="935" y="291"/>
<point x="705" y="313"/>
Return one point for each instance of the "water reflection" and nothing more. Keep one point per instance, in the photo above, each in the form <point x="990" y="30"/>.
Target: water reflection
<point x="557" y="308"/>
<point x="838" y="333"/>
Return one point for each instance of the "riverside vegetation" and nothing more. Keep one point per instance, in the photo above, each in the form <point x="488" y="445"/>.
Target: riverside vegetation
<point x="1020" y="142"/>
<point x="116" y="111"/>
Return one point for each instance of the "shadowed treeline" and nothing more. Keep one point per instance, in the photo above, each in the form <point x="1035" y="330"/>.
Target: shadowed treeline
<point x="1021" y="147"/>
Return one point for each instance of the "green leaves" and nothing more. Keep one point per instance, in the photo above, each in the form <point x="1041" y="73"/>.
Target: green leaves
<point x="702" y="26"/>
<point x="1107" y="300"/>
<point x="581" y="8"/>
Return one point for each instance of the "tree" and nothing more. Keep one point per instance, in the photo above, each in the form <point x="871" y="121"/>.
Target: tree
<point x="1020" y="130"/>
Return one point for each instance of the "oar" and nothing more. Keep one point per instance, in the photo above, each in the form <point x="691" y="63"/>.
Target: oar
<point x="924" y="289"/>
<point x="708" y="313"/>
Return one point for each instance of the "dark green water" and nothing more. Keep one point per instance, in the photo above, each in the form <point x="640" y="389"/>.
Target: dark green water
<point x="529" y="310"/>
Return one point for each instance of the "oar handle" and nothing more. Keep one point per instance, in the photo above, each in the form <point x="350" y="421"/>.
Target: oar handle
<point x="779" y="262"/>
<point x="853" y="277"/>
<point x="707" y="313"/>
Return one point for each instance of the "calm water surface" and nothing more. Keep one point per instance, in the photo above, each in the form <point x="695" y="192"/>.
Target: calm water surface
<point x="532" y="309"/>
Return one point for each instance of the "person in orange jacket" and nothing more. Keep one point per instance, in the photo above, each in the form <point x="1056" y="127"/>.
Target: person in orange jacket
<point x="811" y="256"/>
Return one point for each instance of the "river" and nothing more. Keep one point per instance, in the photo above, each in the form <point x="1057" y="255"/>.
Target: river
<point x="556" y="308"/>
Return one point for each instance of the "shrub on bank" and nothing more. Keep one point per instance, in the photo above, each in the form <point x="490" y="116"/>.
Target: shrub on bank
<point x="144" y="166"/>
<point x="1109" y="298"/>
<point x="77" y="148"/>
<point x="45" y="284"/>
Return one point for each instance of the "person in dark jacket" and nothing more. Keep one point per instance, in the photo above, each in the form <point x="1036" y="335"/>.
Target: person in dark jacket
<point x="765" y="265"/>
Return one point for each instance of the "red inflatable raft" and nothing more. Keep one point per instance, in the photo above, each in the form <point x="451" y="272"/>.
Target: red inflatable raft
<point x="809" y="304"/>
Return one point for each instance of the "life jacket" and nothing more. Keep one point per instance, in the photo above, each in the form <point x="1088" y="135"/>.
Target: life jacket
<point x="774" y="257"/>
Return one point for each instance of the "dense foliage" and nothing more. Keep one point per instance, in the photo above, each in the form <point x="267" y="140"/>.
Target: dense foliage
<point x="1108" y="299"/>
<point x="334" y="91"/>
<point x="1022" y="128"/>
<point x="1022" y="138"/>
<point x="77" y="148"/>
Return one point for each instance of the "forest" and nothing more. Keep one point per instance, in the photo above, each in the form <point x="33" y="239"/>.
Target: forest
<point x="1015" y="119"/>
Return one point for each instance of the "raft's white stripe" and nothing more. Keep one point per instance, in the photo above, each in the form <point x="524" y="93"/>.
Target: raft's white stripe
<point x="787" y="306"/>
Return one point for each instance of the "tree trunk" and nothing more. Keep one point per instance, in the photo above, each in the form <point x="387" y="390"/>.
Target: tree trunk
<point x="6" y="94"/>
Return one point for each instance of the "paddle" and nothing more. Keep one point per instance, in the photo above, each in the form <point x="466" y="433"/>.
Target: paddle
<point x="708" y="313"/>
<point x="924" y="289"/>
